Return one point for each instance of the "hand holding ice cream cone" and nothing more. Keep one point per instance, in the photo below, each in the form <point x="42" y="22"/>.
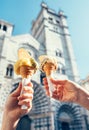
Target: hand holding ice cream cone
<point x="25" y="66"/>
<point x="48" y="65"/>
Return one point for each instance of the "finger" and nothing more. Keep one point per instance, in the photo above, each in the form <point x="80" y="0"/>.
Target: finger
<point x="48" y="93"/>
<point x="30" y="84"/>
<point x="46" y="87"/>
<point x="45" y="79"/>
<point x="59" y="88"/>
<point x="57" y="82"/>
<point x="25" y="96"/>
<point x="47" y="90"/>
<point x="57" y="95"/>
<point x="25" y="102"/>
<point x="17" y="91"/>
<point x="27" y="89"/>
<point x="45" y="82"/>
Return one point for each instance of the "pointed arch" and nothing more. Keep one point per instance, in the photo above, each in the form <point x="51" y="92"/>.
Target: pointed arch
<point x="68" y="114"/>
<point x="9" y="71"/>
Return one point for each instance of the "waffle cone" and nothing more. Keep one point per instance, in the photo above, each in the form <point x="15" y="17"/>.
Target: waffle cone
<point x="48" y="72"/>
<point x="25" y="74"/>
<point x="47" y="59"/>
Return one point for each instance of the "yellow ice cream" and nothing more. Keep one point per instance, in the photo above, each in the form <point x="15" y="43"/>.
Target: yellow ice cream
<point x="24" y="59"/>
<point x="27" y="62"/>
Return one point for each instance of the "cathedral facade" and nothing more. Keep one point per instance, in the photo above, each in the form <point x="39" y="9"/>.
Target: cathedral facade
<point x="49" y="35"/>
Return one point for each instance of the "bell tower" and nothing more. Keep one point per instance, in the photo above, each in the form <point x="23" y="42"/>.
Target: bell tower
<point x="52" y="32"/>
<point x="5" y="28"/>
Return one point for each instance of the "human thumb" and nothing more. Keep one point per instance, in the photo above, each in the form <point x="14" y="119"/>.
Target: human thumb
<point x="18" y="90"/>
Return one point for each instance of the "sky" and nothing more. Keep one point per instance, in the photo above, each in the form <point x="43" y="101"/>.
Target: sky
<point x="21" y="13"/>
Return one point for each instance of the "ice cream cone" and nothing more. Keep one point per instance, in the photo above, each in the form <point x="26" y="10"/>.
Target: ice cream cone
<point x="48" y="65"/>
<point x="44" y="59"/>
<point x="49" y="69"/>
<point x="48" y="72"/>
<point x="25" y="66"/>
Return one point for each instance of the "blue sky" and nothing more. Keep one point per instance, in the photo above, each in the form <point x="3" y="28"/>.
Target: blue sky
<point x="21" y="13"/>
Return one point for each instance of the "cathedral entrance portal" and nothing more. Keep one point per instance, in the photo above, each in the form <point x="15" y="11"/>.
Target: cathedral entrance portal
<point x="65" y="120"/>
<point x="65" y="126"/>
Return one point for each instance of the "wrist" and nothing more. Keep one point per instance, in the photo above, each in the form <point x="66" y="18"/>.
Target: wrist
<point x="8" y="123"/>
<point x="83" y="98"/>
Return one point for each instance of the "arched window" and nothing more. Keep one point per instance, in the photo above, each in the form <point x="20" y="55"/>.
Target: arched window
<point x="9" y="70"/>
<point x="61" y="69"/>
<point x="50" y="20"/>
<point x="57" y="21"/>
<point x="5" y="28"/>
<point x="58" y="53"/>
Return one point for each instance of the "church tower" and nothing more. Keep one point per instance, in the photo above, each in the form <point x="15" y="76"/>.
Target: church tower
<point x="52" y="32"/>
<point x="50" y="29"/>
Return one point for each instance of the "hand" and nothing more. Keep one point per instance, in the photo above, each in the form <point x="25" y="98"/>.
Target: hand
<point x="14" y="102"/>
<point x="65" y="90"/>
